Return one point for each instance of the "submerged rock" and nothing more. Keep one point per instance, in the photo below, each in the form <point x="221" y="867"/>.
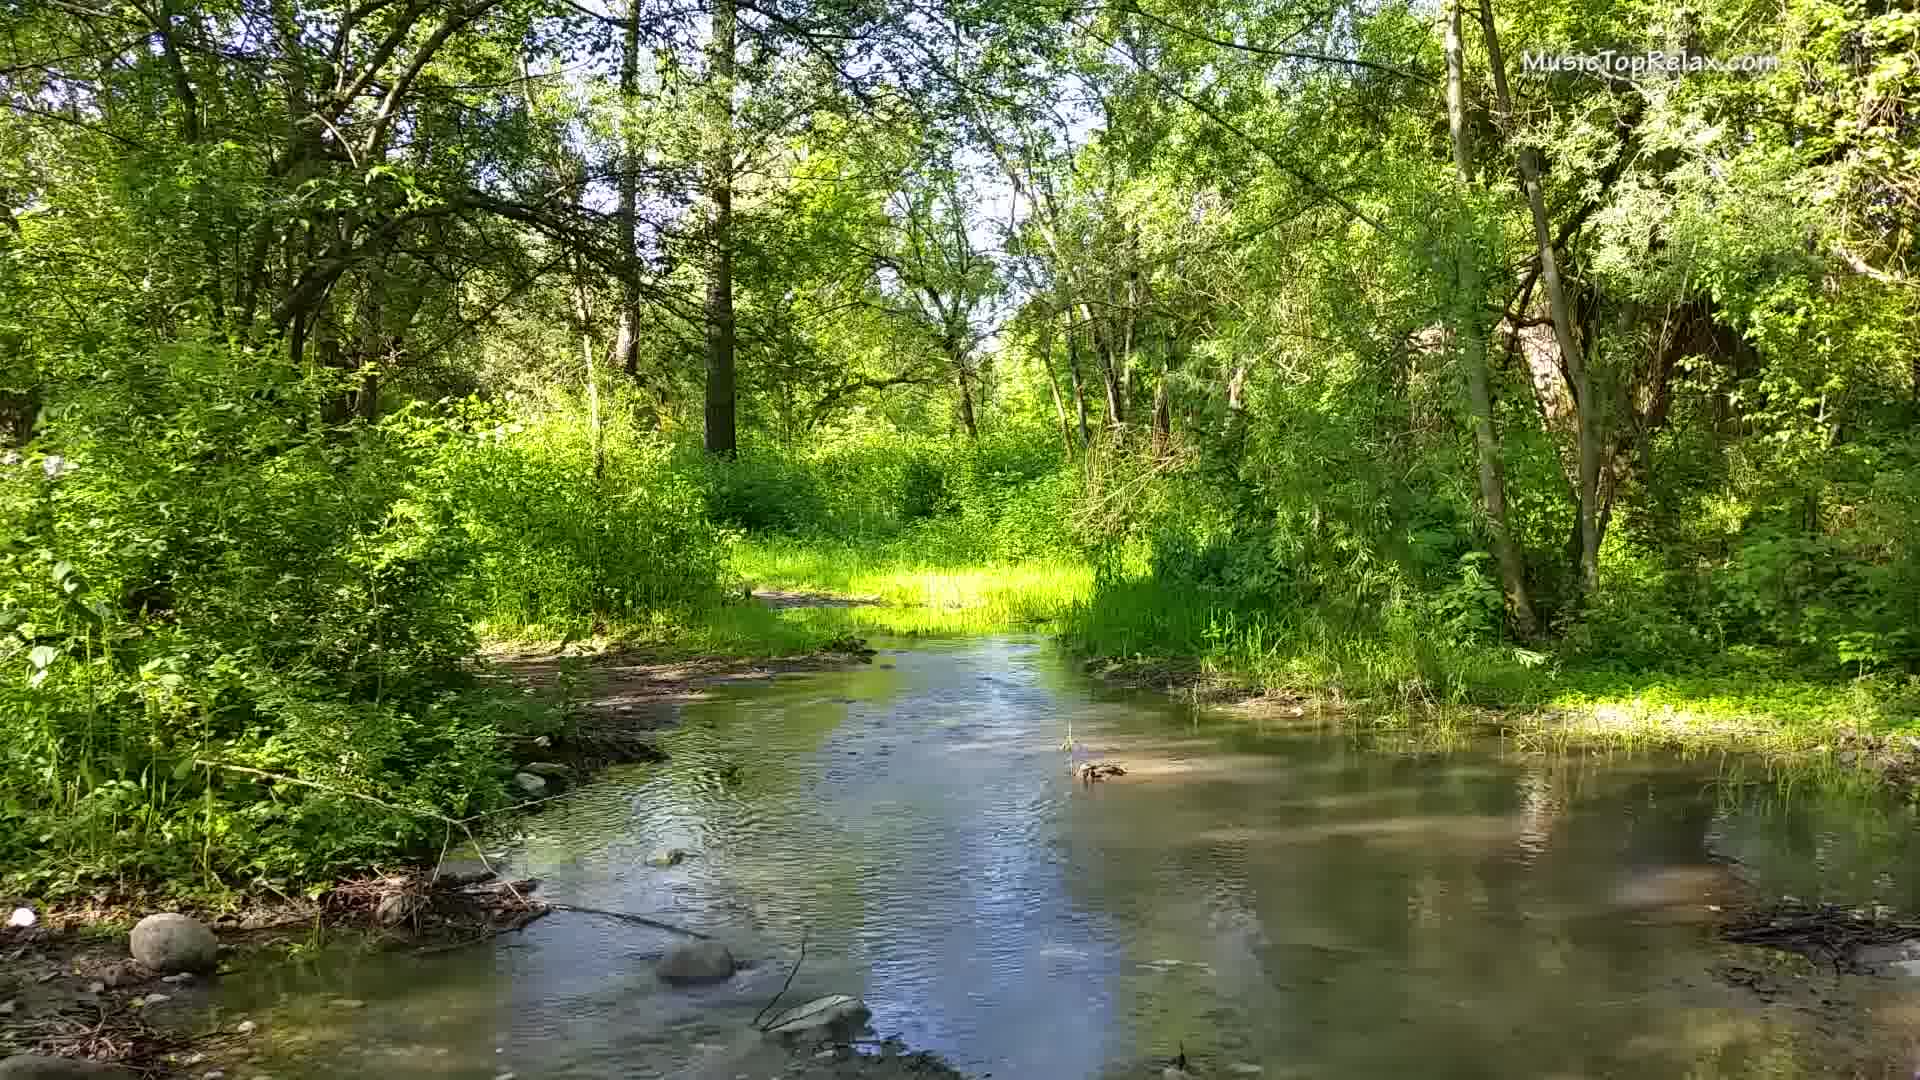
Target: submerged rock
<point x="37" y="1067"/>
<point x="529" y="783"/>
<point x="549" y="770"/>
<point x="836" y="1017"/>
<point x="668" y="856"/>
<point x="169" y="943"/>
<point x="697" y="961"/>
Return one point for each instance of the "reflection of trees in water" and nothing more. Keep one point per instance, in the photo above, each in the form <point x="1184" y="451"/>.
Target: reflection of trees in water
<point x="1821" y="837"/>
<point x="1444" y="914"/>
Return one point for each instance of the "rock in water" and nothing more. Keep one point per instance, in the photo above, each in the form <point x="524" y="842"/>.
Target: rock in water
<point x="698" y="961"/>
<point x="529" y="783"/>
<point x="837" y="1017"/>
<point x="551" y="770"/>
<point x="668" y="857"/>
<point x="35" y="1067"/>
<point x="169" y="943"/>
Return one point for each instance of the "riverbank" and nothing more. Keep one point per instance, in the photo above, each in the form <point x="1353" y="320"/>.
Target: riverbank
<point x="1135" y="634"/>
<point x="68" y="988"/>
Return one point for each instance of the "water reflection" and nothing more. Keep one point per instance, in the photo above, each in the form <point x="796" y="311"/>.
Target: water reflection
<point x="1282" y="895"/>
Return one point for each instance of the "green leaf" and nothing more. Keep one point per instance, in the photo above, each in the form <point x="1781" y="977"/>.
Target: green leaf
<point x="42" y="656"/>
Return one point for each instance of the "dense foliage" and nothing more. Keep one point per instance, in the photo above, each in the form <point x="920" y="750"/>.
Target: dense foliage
<point x="1343" y="344"/>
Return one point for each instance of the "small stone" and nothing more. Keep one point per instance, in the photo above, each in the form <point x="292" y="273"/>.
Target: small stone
<point x="349" y="1003"/>
<point x="542" y="741"/>
<point x="7" y="1007"/>
<point x="96" y="987"/>
<point x="150" y="999"/>
<point x="170" y="942"/>
<point x="177" y="978"/>
<point x="245" y="1027"/>
<point x="824" y="1055"/>
<point x="550" y="770"/>
<point x="699" y="961"/>
<point x="1245" y="1068"/>
<point x="22" y="918"/>
<point x="504" y="1076"/>
<point x="1909" y="968"/>
<point x="667" y="857"/>
<point x="213" y="1074"/>
<point x="529" y="783"/>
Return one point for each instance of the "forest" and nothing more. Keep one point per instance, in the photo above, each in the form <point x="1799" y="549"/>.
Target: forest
<point x="1394" y="351"/>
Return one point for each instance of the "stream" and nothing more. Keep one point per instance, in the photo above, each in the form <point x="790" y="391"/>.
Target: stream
<point x="1270" y="893"/>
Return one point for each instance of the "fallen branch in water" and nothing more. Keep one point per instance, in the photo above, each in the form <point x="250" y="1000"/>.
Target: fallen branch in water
<point x="515" y="926"/>
<point x="625" y="917"/>
<point x="783" y="986"/>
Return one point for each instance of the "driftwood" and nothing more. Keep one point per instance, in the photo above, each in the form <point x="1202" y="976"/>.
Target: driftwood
<point x="783" y="986"/>
<point x="640" y="920"/>
<point x="1824" y="933"/>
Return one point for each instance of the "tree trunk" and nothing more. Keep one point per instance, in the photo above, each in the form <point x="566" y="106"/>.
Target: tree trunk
<point x="626" y="342"/>
<point x="1044" y="347"/>
<point x="1472" y="346"/>
<point x="720" y="434"/>
<point x="956" y="355"/>
<point x="1105" y="355"/>
<point x="1079" y="384"/>
<point x="1586" y="407"/>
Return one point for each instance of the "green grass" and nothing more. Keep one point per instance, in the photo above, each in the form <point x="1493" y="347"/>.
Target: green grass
<point x="918" y="596"/>
<point x="1394" y="672"/>
<point x="1389" y="672"/>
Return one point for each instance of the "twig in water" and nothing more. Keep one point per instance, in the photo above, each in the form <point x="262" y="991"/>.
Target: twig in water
<point x="640" y="919"/>
<point x="518" y="924"/>
<point x="783" y="986"/>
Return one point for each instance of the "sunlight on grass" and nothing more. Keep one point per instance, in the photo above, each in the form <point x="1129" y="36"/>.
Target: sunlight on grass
<point x="919" y="598"/>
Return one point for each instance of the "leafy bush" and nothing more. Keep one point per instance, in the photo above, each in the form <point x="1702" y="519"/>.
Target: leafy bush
<point x="194" y="578"/>
<point x="550" y="544"/>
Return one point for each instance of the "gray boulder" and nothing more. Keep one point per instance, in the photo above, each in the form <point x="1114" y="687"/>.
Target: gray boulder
<point x="697" y="961"/>
<point x="36" y="1067"/>
<point x="169" y="943"/>
<point x="549" y="770"/>
<point x="529" y="783"/>
<point x="834" y="1018"/>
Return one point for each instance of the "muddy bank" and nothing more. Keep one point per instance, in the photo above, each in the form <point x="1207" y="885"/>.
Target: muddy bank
<point x="615" y="699"/>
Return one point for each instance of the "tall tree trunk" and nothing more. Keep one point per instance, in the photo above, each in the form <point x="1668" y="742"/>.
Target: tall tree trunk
<point x="956" y="355"/>
<point x="626" y="342"/>
<point x="720" y="434"/>
<point x="1472" y="346"/>
<point x="1044" y="347"/>
<point x="1104" y="354"/>
<point x="1079" y="384"/>
<point x="1579" y="382"/>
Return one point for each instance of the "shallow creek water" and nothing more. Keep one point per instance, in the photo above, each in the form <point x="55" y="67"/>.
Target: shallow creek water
<point x="1262" y="892"/>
